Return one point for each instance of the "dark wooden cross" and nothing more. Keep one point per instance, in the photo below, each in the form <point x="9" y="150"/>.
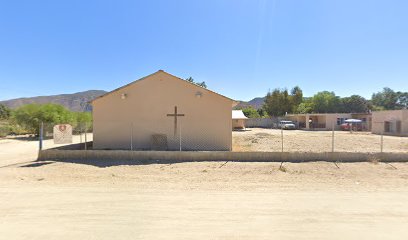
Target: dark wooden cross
<point x="175" y="115"/>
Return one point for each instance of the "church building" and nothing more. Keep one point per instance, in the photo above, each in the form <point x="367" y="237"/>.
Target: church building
<point x="162" y="112"/>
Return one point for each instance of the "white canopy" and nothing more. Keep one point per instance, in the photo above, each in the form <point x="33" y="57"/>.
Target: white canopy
<point x="238" y="114"/>
<point x="353" y="121"/>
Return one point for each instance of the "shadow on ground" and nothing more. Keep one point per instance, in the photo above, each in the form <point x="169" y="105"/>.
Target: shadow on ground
<point x="75" y="146"/>
<point x="28" y="138"/>
<point x="37" y="164"/>
<point x="106" y="163"/>
<point x="101" y="163"/>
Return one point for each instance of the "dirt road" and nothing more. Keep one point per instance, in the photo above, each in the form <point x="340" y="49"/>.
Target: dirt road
<point x="111" y="212"/>
<point x="206" y="200"/>
<point x="20" y="149"/>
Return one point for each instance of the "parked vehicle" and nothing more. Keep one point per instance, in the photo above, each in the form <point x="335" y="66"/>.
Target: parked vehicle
<point x="356" y="127"/>
<point x="287" y="125"/>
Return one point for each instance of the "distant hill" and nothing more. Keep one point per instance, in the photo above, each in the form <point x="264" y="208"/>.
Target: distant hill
<point x="78" y="102"/>
<point x="255" y="103"/>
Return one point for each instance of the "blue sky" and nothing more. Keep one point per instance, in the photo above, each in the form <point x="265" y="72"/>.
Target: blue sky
<point x="241" y="48"/>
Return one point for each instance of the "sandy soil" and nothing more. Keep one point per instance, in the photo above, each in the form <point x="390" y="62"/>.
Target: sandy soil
<point x="206" y="200"/>
<point x="19" y="149"/>
<point x="259" y="139"/>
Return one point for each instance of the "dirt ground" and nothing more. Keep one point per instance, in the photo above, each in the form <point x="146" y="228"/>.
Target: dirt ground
<point x="266" y="140"/>
<point x="206" y="200"/>
<point x="19" y="149"/>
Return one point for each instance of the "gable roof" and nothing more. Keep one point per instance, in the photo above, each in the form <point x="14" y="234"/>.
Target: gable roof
<point x="161" y="71"/>
<point x="238" y="114"/>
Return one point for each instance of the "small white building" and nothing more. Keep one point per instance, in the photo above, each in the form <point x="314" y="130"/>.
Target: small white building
<point x="238" y="119"/>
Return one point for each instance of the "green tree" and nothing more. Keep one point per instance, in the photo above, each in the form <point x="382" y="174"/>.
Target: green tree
<point x="326" y="102"/>
<point x="305" y="107"/>
<point x="30" y="116"/>
<point x="386" y="99"/>
<point x="82" y="121"/>
<point x="272" y="103"/>
<point x="5" y="112"/>
<point x="262" y="113"/>
<point x="355" y="104"/>
<point x="279" y="102"/>
<point x="402" y="100"/>
<point x="251" y="112"/>
<point x="286" y="102"/>
<point x="296" y="97"/>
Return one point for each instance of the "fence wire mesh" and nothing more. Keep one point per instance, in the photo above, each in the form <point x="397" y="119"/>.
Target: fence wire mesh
<point x="186" y="136"/>
<point x="80" y="134"/>
<point x="276" y="140"/>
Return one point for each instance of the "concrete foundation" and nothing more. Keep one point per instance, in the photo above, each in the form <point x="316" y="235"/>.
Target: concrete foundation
<point x="115" y="156"/>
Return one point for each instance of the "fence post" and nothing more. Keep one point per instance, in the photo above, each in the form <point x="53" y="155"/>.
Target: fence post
<point x="80" y="135"/>
<point x="41" y="136"/>
<point x="332" y="137"/>
<point x="85" y="137"/>
<point x="282" y="137"/>
<point x="382" y="140"/>
<point x="131" y="136"/>
<point x="180" y="137"/>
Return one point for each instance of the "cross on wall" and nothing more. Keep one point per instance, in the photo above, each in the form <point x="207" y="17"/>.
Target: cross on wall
<point x="175" y="115"/>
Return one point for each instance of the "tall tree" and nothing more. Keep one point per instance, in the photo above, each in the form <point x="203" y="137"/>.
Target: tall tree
<point x="402" y="100"/>
<point x="355" y="104"/>
<point x="262" y="113"/>
<point x="271" y="104"/>
<point x="277" y="102"/>
<point x="286" y="102"/>
<point x="386" y="99"/>
<point x="296" y="97"/>
<point x="326" y="102"/>
<point x="305" y="107"/>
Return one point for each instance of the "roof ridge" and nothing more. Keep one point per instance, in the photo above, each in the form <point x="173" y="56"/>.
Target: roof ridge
<point x="159" y="71"/>
<point x="197" y="85"/>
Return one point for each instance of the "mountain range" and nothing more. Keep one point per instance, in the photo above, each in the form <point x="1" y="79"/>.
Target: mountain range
<point x="255" y="103"/>
<point x="79" y="102"/>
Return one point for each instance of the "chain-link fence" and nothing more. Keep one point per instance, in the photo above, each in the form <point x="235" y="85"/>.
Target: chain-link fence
<point x="188" y="136"/>
<point x="139" y="136"/>
<point x="62" y="135"/>
<point x="169" y="135"/>
<point x="280" y="140"/>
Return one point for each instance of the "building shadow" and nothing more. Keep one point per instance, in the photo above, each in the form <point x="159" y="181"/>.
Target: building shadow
<point x="102" y="163"/>
<point x="74" y="146"/>
<point x="37" y="164"/>
<point x="29" y="138"/>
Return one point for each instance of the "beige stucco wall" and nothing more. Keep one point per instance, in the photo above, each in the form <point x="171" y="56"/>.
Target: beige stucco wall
<point x="328" y="119"/>
<point x="238" y="123"/>
<point x="331" y="120"/>
<point x="205" y="126"/>
<point x="379" y="117"/>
